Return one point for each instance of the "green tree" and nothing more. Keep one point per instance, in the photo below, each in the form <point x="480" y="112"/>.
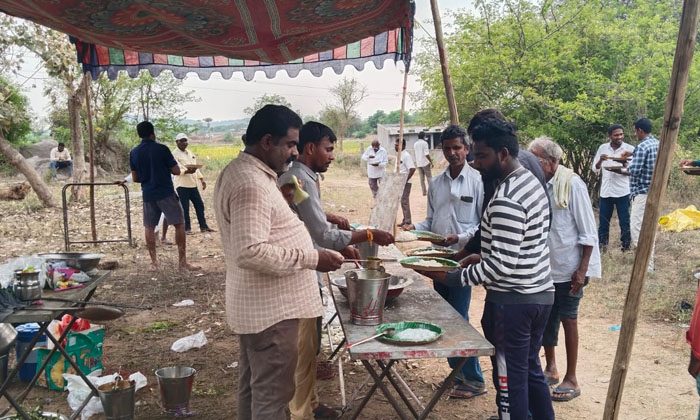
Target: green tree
<point x="563" y="69"/>
<point x="14" y="127"/>
<point x="266" y="99"/>
<point x="341" y="115"/>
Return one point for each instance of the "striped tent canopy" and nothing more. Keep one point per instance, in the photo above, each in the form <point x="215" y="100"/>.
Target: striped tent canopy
<point x="226" y="36"/>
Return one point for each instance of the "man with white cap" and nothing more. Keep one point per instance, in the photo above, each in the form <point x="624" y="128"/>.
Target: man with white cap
<point x="186" y="184"/>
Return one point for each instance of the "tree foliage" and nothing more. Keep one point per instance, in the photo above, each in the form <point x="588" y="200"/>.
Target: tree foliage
<point x="566" y="69"/>
<point x="266" y="99"/>
<point x="15" y="121"/>
<point x="341" y="114"/>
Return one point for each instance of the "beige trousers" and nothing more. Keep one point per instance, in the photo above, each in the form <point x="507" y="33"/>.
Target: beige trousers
<point x="639" y="202"/>
<point x="305" y="398"/>
<point x="266" y="379"/>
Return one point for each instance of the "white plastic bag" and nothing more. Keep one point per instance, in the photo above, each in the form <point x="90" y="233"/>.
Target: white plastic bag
<point x="192" y="341"/>
<point x="78" y="390"/>
<point x="7" y="270"/>
<point x="186" y="302"/>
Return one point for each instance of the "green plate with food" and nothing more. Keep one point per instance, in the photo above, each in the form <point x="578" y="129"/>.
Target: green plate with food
<point x="429" y="264"/>
<point x="359" y="226"/>
<point x="409" y="333"/>
<point x="431" y="251"/>
<point x="424" y="235"/>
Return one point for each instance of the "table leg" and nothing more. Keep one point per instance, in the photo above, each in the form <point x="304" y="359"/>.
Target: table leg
<point x="442" y="389"/>
<point x="43" y="326"/>
<point x="371" y="390"/>
<point x="337" y="349"/>
<point x="378" y="383"/>
<point x="16" y="406"/>
<point x="405" y="399"/>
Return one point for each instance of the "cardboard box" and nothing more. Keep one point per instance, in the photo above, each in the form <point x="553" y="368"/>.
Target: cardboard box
<point x="84" y="347"/>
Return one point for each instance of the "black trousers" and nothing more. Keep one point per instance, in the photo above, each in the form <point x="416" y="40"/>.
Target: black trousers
<point x="192" y="194"/>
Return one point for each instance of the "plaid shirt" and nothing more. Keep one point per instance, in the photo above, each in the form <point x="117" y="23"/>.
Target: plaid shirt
<point x="642" y="167"/>
<point x="270" y="259"/>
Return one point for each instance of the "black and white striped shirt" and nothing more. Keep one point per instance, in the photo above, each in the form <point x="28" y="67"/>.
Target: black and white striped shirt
<point x="514" y="265"/>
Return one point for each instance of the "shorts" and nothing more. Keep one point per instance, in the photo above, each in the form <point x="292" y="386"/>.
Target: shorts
<point x="170" y="206"/>
<point x="565" y="307"/>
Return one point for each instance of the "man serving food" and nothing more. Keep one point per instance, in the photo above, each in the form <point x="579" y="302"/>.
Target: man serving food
<point x="454" y="209"/>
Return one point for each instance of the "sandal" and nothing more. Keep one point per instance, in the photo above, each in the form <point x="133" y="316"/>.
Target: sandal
<point x="324" y="370"/>
<point x="565" y="394"/>
<point x="464" y="392"/>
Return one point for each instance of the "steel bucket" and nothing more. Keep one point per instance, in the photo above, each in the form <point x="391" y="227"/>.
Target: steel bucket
<point x="367" y="291"/>
<point x="175" y="384"/>
<point x="8" y="335"/>
<point x="118" y="403"/>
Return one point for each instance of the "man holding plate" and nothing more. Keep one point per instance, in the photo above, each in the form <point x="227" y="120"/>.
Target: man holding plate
<point x="454" y="209"/>
<point x="186" y="184"/>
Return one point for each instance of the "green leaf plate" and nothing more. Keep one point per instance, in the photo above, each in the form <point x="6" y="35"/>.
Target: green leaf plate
<point x="431" y="251"/>
<point x="414" y="264"/>
<point x="424" y="235"/>
<point x="405" y="325"/>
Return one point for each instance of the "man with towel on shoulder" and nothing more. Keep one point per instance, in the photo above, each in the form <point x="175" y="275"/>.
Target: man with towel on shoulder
<point x="574" y="258"/>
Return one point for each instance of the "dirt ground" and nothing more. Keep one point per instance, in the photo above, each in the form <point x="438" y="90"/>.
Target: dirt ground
<point x="658" y="386"/>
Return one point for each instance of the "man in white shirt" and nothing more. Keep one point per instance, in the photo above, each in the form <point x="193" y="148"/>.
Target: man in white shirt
<point x="614" y="187"/>
<point x="406" y="166"/>
<point x="60" y="158"/>
<point x="377" y="159"/>
<point x="423" y="161"/>
<point x="454" y="211"/>
<point x="186" y="184"/>
<point x="574" y="257"/>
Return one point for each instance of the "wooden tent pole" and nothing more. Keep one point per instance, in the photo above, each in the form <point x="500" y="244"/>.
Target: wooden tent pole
<point x="93" y="227"/>
<point x="669" y="132"/>
<point x="446" y="78"/>
<point x="403" y="113"/>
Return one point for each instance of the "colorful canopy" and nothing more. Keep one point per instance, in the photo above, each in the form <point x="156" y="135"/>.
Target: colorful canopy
<point x="226" y="36"/>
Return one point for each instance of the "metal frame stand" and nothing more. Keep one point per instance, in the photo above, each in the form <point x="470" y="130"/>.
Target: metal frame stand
<point x="66" y="231"/>
<point x="16" y="403"/>
<point x="385" y="371"/>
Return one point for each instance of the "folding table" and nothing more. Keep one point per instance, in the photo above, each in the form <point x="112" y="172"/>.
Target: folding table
<point x="419" y="302"/>
<point x="44" y="318"/>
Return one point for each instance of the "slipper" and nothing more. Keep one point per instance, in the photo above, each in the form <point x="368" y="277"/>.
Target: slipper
<point x="324" y="370"/>
<point x="464" y="392"/>
<point x="551" y="381"/>
<point x="565" y="394"/>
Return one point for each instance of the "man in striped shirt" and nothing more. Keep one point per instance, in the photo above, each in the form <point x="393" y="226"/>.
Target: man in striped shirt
<point x="514" y="268"/>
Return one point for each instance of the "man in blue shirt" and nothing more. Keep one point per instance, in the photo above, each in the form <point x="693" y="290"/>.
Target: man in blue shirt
<point x="640" y="171"/>
<point x="152" y="164"/>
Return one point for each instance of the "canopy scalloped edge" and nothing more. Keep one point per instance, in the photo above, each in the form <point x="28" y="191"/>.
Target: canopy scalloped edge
<point x="270" y="70"/>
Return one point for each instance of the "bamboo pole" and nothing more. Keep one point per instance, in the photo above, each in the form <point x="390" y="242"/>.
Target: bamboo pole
<point x="669" y="132"/>
<point x="93" y="226"/>
<point x="403" y="113"/>
<point x="446" y="78"/>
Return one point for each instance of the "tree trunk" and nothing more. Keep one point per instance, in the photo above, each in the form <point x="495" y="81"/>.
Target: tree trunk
<point x="76" y="133"/>
<point x="35" y="180"/>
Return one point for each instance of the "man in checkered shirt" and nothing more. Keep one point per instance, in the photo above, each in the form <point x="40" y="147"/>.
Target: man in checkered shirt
<point x="640" y="171"/>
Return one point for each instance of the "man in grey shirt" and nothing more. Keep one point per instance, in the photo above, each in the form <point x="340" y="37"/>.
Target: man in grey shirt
<point x="316" y="145"/>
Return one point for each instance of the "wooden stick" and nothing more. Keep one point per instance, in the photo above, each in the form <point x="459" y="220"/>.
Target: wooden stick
<point x="669" y="132"/>
<point x="93" y="226"/>
<point x="446" y="78"/>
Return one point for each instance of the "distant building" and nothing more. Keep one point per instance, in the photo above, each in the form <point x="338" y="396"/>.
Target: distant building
<point x="387" y="134"/>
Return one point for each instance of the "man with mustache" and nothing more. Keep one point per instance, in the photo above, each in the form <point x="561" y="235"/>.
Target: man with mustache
<point x="316" y="147"/>
<point x="454" y="209"/>
<point x="271" y="286"/>
<point x="514" y="268"/>
<point x="614" y="187"/>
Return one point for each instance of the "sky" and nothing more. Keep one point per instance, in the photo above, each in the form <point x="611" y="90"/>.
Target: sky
<point x="225" y="99"/>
